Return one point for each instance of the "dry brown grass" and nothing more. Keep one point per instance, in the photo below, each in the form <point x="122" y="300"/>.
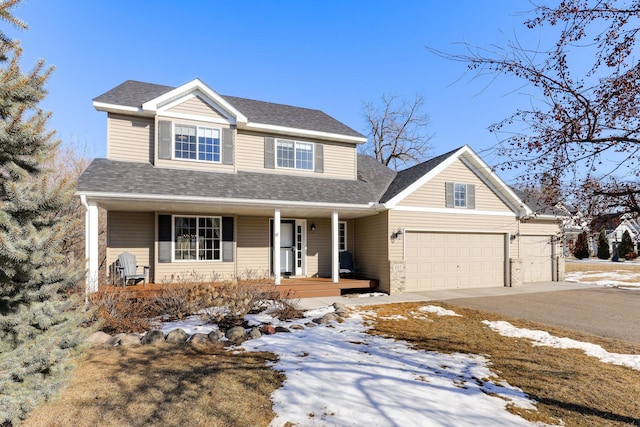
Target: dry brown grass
<point x="584" y="267"/>
<point x="567" y="384"/>
<point x="165" y="386"/>
<point x="597" y="271"/>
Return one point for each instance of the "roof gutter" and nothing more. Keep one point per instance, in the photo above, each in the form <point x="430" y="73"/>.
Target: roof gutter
<point x="221" y="200"/>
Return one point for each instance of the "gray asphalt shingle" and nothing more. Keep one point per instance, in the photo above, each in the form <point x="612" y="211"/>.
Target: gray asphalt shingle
<point x="107" y="176"/>
<point x="133" y="94"/>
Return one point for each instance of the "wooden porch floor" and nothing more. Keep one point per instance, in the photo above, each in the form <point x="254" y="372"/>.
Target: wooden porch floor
<point x="294" y="287"/>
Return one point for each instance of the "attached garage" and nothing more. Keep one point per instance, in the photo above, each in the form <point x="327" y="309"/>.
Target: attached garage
<point x="536" y="254"/>
<point x="436" y="260"/>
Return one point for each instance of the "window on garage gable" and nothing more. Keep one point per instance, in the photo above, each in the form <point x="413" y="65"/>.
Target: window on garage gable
<point x="459" y="195"/>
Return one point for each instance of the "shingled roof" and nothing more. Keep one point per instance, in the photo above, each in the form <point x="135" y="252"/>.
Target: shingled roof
<point x="406" y="177"/>
<point x="134" y="93"/>
<point x="105" y="176"/>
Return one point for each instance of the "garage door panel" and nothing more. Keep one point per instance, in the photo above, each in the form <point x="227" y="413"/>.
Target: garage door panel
<point x="455" y="260"/>
<point x="535" y="252"/>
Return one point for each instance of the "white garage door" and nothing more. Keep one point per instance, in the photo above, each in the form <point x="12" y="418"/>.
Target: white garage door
<point x="535" y="252"/>
<point x="453" y="260"/>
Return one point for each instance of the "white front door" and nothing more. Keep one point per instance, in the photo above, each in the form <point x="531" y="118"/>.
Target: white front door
<point x="287" y="248"/>
<point x="292" y="247"/>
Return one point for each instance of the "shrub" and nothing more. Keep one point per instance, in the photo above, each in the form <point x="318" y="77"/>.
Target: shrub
<point x="252" y="292"/>
<point x="119" y="311"/>
<point x="625" y="248"/>
<point x="581" y="248"/>
<point x="603" y="246"/>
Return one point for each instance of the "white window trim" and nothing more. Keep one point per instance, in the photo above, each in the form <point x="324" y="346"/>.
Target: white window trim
<point x="466" y="195"/>
<point x="173" y="238"/>
<point x="295" y="144"/>
<point x="198" y="127"/>
<point x="345" y="236"/>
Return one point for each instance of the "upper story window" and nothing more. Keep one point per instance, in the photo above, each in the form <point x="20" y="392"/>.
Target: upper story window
<point x="197" y="143"/>
<point x="460" y="196"/>
<point x="294" y="154"/>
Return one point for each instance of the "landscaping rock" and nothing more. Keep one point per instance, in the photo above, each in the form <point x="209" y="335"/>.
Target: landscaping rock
<point x="99" y="338"/>
<point x="342" y="313"/>
<point x="200" y="339"/>
<point x="282" y="329"/>
<point x="177" y="336"/>
<point x="268" y="329"/>
<point x="327" y="318"/>
<point x="215" y="335"/>
<point x="236" y="335"/>
<point x="125" y="340"/>
<point x="296" y="326"/>
<point x="310" y="325"/>
<point x="340" y="306"/>
<point x="255" y="333"/>
<point x="152" y="337"/>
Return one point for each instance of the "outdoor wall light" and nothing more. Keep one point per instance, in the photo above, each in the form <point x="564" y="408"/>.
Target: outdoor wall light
<point x="313" y="227"/>
<point x="396" y="234"/>
<point x="515" y="236"/>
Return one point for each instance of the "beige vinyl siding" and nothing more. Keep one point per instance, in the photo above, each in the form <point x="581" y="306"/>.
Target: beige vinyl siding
<point x="371" y="248"/>
<point x="549" y="227"/>
<point x="249" y="151"/>
<point x="196" y="106"/>
<point x="319" y="248"/>
<point x="432" y="193"/>
<point x="445" y="222"/>
<point x="194" y="271"/>
<point x="130" y="138"/>
<point x="253" y="245"/>
<point x="340" y="159"/>
<point x="195" y="164"/>
<point x="131" y="232"/>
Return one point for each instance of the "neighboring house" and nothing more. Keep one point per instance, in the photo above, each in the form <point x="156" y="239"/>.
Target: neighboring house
<point x="575" y="222"/>
<point x="197" y="181"/>
<point x="627" y="223"/>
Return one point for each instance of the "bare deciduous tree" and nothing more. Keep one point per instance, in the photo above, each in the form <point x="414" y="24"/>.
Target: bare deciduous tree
<point x="397" y="131"/>
<point x="582" y="125"/>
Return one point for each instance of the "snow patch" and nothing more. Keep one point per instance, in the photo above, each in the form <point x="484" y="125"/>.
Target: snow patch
<point x="438" y="310"/>
<point x="543" y="338"/>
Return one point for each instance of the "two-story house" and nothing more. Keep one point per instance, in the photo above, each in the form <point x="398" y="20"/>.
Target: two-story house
<point x="197" y="181"/>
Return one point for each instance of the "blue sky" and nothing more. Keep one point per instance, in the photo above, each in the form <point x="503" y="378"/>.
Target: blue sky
<point x="330" y="55"/>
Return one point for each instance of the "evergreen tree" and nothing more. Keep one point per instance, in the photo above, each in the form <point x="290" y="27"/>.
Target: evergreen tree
<point x="581" y="249"/>
<point x="603" y="246"/>
<point x="626" y="246"/>
<point x="40" y="324"/>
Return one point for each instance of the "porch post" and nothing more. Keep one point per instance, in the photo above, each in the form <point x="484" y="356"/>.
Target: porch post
<point x="91" y="244"/>
<point x="335" y="250"/>
<point x="276" y="245"/>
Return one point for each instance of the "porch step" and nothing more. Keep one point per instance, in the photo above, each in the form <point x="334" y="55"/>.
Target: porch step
<point x="314" y="288"/>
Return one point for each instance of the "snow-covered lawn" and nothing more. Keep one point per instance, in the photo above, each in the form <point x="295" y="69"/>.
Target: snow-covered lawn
<point x="341" y="376"/>
<point x="544" y="338"/>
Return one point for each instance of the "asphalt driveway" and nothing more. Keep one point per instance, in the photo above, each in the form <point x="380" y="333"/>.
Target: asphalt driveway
<point x="607" y="312"/>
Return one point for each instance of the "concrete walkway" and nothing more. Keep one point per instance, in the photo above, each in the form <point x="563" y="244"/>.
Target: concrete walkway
<point x="441" y="295"/>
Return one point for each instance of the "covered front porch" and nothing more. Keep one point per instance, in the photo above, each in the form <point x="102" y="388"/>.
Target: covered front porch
<point x="298" y="247"/>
